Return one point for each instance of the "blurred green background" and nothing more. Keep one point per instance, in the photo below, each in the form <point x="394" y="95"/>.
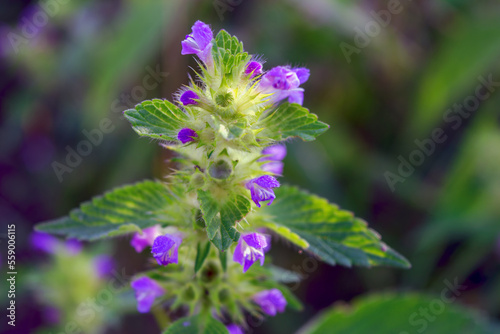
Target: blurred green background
<point x="385" y="77"/>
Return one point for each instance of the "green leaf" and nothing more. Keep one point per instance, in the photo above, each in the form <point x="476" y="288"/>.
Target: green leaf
<point x="201" y="255"/>
<point x="221" y="218"/>
<point x="120" y="211"/>
<point x="228" y="43"/>
<point x="158" y="119"/>
<point x="223" y="260"/>
<point x="401" y="314"/>
<point x="197" y="324"/>
<point x="228" y="52"/>
<point x="336" y="236"/>
<point x="282" y="275"/>
<point x="291" y="120"/>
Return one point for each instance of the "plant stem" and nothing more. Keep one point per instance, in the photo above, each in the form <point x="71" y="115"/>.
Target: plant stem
<point x="161" y="317"/>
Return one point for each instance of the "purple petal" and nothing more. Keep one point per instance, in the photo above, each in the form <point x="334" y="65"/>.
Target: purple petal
<point x="189" y="46"/>
<point x="302" y="73"/>
<point x="259" y="194"/>
<point x="234" y="329"/>
<point x="268" y="247"/>
<point x="238" y="253"/>
<point x="202" y="34"/>
<point x="261" y="189"/>
<point x="274" y="153"/>
<point x="280" y="78"/>
<point x="270" y="301"/>
<point x="165" y="249"/>
<point x="146" y="290"/>
<point x="255" y="240"/>
<point x="144" y="302"/>
<point x="248" y="263"/>
<point x="267" y="181"/>
<point x="189" y="98"/>
<point x="254" y="68"/>
<point x="44" y="242"/>
<point x="275" y="167"/>
<point x="73" y="246"/>
<point x="283" y="82"/>
<point x="206" y="54"/>
<point x="186" y="135"/>
<point x="104" y="265"/>
<point x="146" y="238"/>
<point x="199" y="42"/>
<point x="296" y="96"/>
<point x="250" y="248"/>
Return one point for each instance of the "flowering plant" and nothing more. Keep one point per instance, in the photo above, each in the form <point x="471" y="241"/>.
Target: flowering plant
<point x="206" y="225"/>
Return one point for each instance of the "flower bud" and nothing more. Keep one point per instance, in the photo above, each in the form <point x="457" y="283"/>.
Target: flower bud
<point x="189" y="294"/>
<point x="224" y="295"/>
<point x="220" y="169"/>
<point x="197" y="180"/>
<point x="209" y="273"/>
<point x="224" y="99"/>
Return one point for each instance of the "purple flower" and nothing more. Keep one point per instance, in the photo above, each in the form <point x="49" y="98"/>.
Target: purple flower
<point x="44" y="242"/>
<point x="275" y="167"/>
<point x="261" y="189"/>
<point x="189" y="97"/>
<point x="165" y="249"/>
<point x="73" y="246"/>
<point x="186" y="135"/>
<point x="199" y="42"/>
<point x="50" y="244"/>
<point x="146" y="290"/>
<point x="146" y="238"/>
<point x="270" y="301"/>
<point x="234" y="329"/>
<point x="253" y="68"/>
<point x="249" y="249"/>
<point x="274" y="154"/>
<point x="284" y="83"/>
<point x="103" y="265"/>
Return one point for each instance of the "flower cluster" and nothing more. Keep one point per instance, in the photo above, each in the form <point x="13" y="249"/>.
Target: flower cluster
<point x="223" y="155"/>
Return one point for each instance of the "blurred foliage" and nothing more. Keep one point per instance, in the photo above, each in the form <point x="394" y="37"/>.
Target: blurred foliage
<point x="406" y="313"/>
<point x="75" y="292"/>
<point x="444" y="217"/>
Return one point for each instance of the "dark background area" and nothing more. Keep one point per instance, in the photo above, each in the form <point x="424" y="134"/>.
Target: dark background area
<point x="381" y="90"/>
